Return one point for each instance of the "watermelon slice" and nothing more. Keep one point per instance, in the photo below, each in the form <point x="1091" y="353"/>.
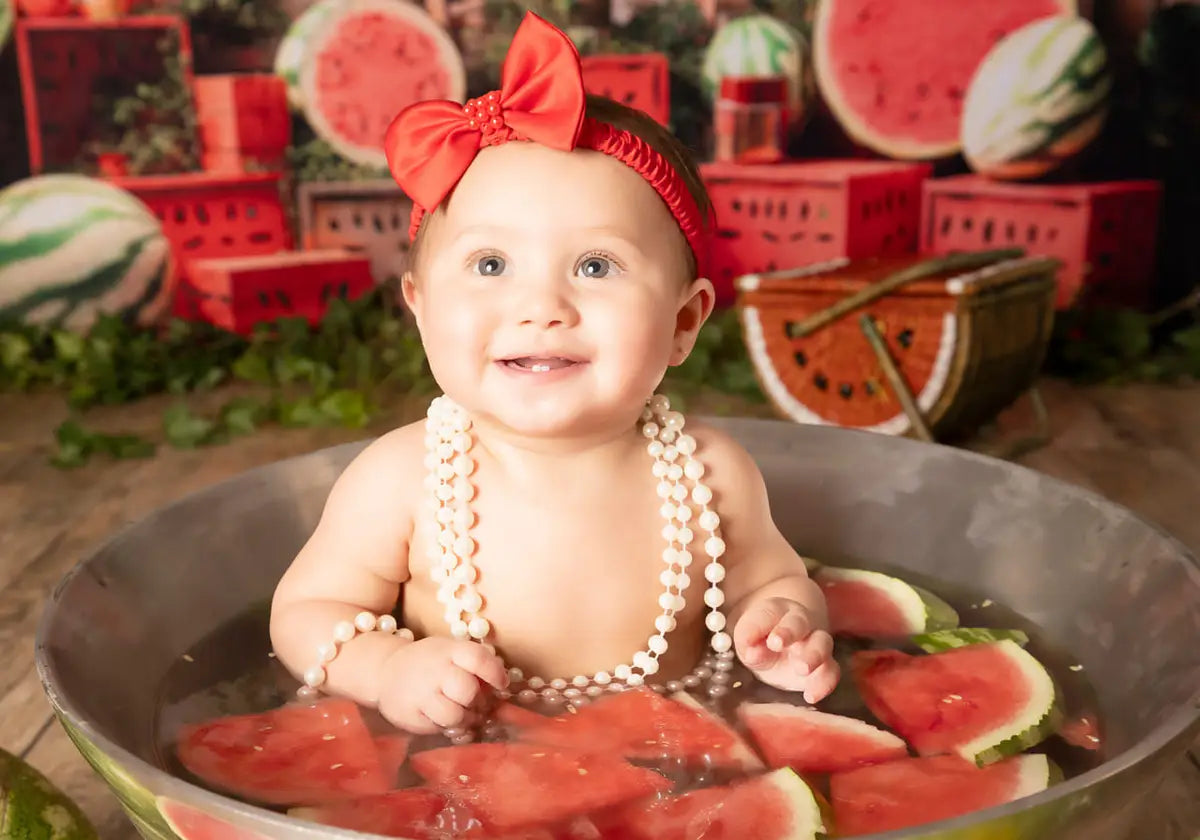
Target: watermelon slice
<point x="518" y="785"/>
<point x="775" y="806"/>
<point x="896" y="74"/>
<point x="982" y="702"/>
<point x="873" y="605"/>
<point x="393" y="752"/>
<point x="418" y="813"/>
<point x="301" y="754"/>
<point x="809" y="741"/>
<point x="364" y="62"/>
<point x="940" y="640"/>
<point x="640" y="724"/>
<point x="915" y="791"/>
<point x="193" y="824"/>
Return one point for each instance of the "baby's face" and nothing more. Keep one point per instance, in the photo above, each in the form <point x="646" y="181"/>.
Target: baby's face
<point x="552" y="292"/>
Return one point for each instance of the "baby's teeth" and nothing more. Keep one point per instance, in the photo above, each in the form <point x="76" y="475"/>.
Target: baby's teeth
<point x="540" y="368"/>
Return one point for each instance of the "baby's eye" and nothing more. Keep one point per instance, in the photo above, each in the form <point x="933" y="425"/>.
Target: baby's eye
<point x="490" y="266"/>
<point x="595" y="267"/>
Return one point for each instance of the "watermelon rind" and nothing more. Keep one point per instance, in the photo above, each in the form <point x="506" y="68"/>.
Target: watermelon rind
<point x="940" y="640"/>
<point x="1029" y="726"/>
<point x="1038" y="98"/>
<point x="414" y="15"/>
<point x="6" y="19"/>
<point x="886" y="745"/>
<point x="924" y="611"/>
<point x="810" y="821"/>
<point x="761" y="45"/>
<point x="293" y="47"/>
<point x="32" y="807"/>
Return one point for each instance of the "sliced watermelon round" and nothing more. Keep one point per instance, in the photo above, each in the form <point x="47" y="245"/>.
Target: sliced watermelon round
<point x="872" y="605"/>
<point x="809" y="741"/>
<point x="294" y="755"/>
<point x="983" y="702"/>
<point x="365" y="62"/>
<point x="940" y="640"/>
<point x="774" y="806"/>
<point x="641" y="724"/>
<point x="191" y="823"/>
<point x="514" y="785"/>
<point x="896" y="74"/>
<point x="916" y="791"/>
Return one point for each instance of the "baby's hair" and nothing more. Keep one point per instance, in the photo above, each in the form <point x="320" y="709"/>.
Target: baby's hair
<point x="638" y="123"/>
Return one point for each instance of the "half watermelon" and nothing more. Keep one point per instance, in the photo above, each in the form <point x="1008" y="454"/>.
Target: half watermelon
<point x="982" y="702"/>
<point x="775" y="806"/>
<point x="872" y="605"/>
<point x="896" y="74"/>
<point x="809" y="741"/>
<point x="916" y="791"/>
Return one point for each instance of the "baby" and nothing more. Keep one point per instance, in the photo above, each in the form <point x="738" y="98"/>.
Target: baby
<point x="552" y="528"/>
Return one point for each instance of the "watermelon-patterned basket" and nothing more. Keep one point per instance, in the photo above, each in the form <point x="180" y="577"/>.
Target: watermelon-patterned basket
<point x="966" y="343"/>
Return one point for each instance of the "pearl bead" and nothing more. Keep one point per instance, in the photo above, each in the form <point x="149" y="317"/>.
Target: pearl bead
<point x="682" y="581"/>
<point x="684" y="559"/>
<point x="684" y="513"/>
<point x="667" y="578"/>
<point x="515" y="675"/>
<point x="580" y="681"/>
<point x="558" y="684"/>
<point x="691" y="681"/>
<point x="444" y="515"/>
<point x="471" y="602"/>
<point x="464" y="491"/>
<point x="670" y="556"/>
<point x="594" y="691"/>
<point x="464" y="465"/>
<point x="657" y="644"/>
<point x="314" y="677"/>
<point x="693" y="470"/>
<point x="387" y="623"/>
<point x="669" y="531"/>
<point x="715" y="621"/>
<point x="659" y="469"/>
<point x="668" y="510"/>
<point x="344" y="631"/>
<point x="718" y="690"/>
<point x="536" y="682"/>
<point x="634" y="679"/>
<point x="665" y="489"/>
<point x="647" y="414"/>
<point x="622" y="672"/>
<point x="659" y="404"/>
<point x="327" y="652"/>
<point x="666" y="601"/>
<point x="673" y="420"/>
<point x="365" y="621"/>
<point x="650" y="430"/>
<point x="461" y="442"/>
<point x="306" y="692"/>
<point x="526" y="696"/>
<point x="701" y="495"/>
<point x="667" y="435"/>
<point x="714" y="573"/>
<point x="714" y="598"/>
<point x="432" y="461"/>
<point x="651" y="667"/>
<point x="680" y="603"/>
<point x="655" y="448"/>
<point x="602" y="678"/>
<point x="664" y="623"/>
<point x="444" y="493"/>
<point x="458" y="629"/>
<point x="686" y="444"/>
<point x="405" y="634"/>
<point x="641" y="659"/>
<point x="445" y="472"/>
<point x="679" y="493"/>
<point x="721" y="642"/>
<point x="674" y="472"/>
<point x="479" y="627"/>
<point x="464" y="547"/>
<point x="714" y="547"/>
<point x="685" y="536"/>
<point x="465" y="573"/>
<point x="674" y="686"/>
<point x="709" y="520"/>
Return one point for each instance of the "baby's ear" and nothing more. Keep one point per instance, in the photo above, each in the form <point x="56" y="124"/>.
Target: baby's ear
<point x="696" y="304"/>
<point x="408" y="288"/>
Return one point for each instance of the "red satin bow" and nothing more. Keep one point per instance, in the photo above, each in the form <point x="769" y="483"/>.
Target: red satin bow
<point x="430" y="144"/>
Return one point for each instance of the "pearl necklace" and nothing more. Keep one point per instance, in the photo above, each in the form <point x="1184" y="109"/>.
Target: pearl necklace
<point x="448" y="443"/>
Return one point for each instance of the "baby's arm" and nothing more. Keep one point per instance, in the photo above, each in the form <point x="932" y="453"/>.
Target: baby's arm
<point x="778" y="615"/>
<point x="356" y="560"/>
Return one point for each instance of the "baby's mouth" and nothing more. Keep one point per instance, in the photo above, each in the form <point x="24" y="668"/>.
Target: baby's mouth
<point x="539" y="364"/>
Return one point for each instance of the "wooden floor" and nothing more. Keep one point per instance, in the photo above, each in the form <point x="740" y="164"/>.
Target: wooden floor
<point x="1137" y="445"/>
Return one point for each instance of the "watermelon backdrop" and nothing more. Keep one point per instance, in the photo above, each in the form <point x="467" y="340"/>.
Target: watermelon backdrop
<point x="245" y="128"/>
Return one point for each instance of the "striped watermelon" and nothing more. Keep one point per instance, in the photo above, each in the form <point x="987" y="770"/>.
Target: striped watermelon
<point x="1039" y="97"/>
<point x="31" y="807"/>
<point x="72" y="247"/>
<point x="760" y="45"/>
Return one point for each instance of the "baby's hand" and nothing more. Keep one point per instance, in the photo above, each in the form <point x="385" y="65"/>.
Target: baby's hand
<point x="428" y="685"/>
<point x="775" y="639"/>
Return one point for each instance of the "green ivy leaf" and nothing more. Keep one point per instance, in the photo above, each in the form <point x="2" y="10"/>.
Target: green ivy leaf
<point x="185" y="430"/>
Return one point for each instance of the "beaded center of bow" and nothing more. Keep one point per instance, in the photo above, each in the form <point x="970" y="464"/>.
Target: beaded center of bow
<point x="486" y="115"/>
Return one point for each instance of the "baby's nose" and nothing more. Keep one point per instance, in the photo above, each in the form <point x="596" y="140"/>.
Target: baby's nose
<point x="547" y="305"/>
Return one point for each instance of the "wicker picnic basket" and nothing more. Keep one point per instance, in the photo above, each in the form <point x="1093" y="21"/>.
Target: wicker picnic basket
<point x="863" y="344"/>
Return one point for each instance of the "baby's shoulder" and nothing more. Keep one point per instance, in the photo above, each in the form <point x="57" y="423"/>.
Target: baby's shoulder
<point x="388" y="473"/>
<point x="730" y="471"/>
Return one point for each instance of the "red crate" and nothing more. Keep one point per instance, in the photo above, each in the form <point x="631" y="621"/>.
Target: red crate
<point x="639" y="80"/>
<point x="208" y="215"/>
<point x="243" y="121"/>
<point x="62" y="61"/>
<point x="787" y="215"/>
<point x="1104" y="233"/>
<point x="236" y="293"/>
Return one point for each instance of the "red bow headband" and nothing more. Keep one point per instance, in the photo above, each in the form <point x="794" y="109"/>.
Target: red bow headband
<point x="430" y="144"/>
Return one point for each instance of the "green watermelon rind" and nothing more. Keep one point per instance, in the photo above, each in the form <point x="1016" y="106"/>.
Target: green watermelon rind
<point x="778" y="49"/>
<point x="293" y="47"/>
<point x="806" y="808"/>
<point x="1041" y="717"/>
<point x="32" y="806"/>
<point x="842" y="724"/>
<point x="956" y="637"/>
<point x="1056" y="107"/>
<point x="7" y="13"/>
<point x="924" y="611"/>
<point x="412" y="15"/>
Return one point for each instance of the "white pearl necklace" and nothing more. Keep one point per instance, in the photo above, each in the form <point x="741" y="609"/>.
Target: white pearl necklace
<point x="448" y="442"/>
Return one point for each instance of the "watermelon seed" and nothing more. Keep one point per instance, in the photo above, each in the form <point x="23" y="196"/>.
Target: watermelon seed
<point x="335" y="766"/>
<point x="987" y="602"/>
<point x="258" y="748"/>
<point x="1076" y="667"/>
<point x="328" y="737"/>
<point x="582" y="772"/>
<point x="187" y="657"/>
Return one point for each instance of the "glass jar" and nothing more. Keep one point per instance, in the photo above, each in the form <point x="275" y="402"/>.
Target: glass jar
<point x="749" y="119"/>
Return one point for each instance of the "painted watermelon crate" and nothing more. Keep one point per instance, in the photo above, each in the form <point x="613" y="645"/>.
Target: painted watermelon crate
<point x="1104" y="233"/>
<point x="791" y="214"/>
<point x="639" y="80"/>
<point x="208" y="215"/>
<point x="63" y="61"/>
<point x="371" y="216"/>
<point x="236" y="293"/>
<point x="243" y="121"/>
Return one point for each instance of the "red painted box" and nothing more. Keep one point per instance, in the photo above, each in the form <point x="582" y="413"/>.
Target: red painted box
<point x="236" y="293"/>
<point x="1104" y="233"/>
<point x="787" y="215"/>
<point x="243" y="121"/>
<point x="639" y="80"/>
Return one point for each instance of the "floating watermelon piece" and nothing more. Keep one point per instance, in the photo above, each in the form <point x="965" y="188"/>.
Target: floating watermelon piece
<point x="1039" y="97"/>
<point x="640" y="724"/>
<point x="73" y="247"/>
<point x="1082" y="731"/>
<point x="301" y="754"/>
<point x="516" y="717"/>
<point x="916" y="791"/>
<point x="775" y="806"/>
<point x="364" y="62"/>
<point x="193" y="824"/>
<point x="517" y="785"/>
<point x="895" y="74"/>
<point x="983" y="702"/>
<point x="417" y="813"/>
<point x="940" y="640"/>
<point x="393" y="752"/>
<point x="809" y="741"/>
<point x="872" y="605"/>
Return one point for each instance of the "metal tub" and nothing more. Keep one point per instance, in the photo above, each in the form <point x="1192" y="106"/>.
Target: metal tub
<point x="1120" y="595"/>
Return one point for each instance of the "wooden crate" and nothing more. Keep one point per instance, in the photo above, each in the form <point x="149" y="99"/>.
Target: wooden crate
<point x="243" y="121"/>
<point x="370" y="216"/>
<point x="639" y="80"/>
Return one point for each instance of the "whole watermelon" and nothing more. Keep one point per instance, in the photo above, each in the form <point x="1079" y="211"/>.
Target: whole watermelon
<point x="72" y="247"/>
<point x="31" y="808"/>
<point x="1039" y="97"/>
<point x="761" y="45"/>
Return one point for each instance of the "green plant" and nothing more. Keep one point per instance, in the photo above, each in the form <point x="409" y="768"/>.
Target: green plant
<point x="235" y="21"/>
<point x="315" y="160"/>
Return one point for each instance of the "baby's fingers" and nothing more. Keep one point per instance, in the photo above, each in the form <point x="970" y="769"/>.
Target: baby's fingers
<point x="821" y="682"/>
<point x="442" y="711"/>
<point x="476" y="659"/>
<point x="460" y="686"/>
<point x="793" y="627"/>
<point x="813" y="651"/>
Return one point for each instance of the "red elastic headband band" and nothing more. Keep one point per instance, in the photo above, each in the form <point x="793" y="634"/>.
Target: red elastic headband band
<point x="430" y="144"/>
